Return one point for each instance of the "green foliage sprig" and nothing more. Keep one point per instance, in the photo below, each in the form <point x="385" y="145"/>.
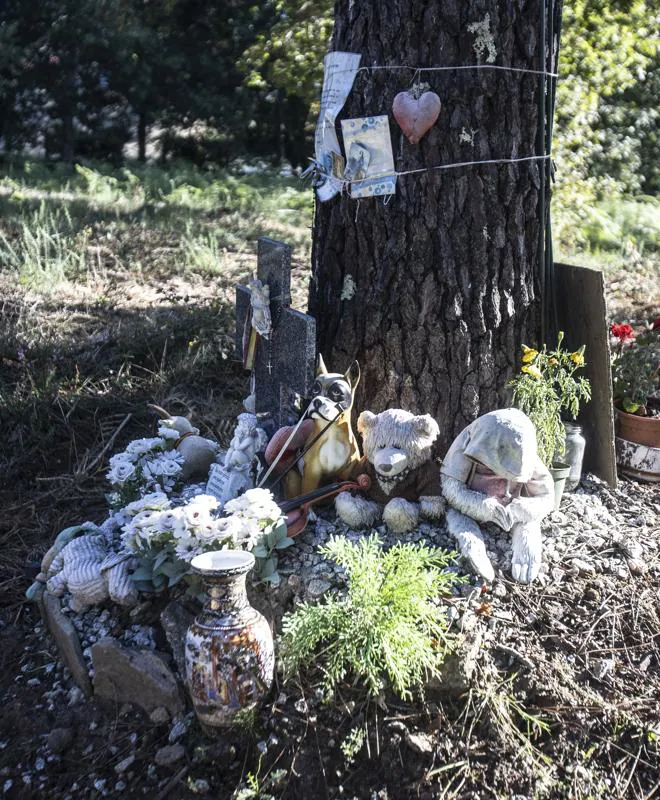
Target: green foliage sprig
<point x="547" y="386"/>
<point x="386" y="628"/>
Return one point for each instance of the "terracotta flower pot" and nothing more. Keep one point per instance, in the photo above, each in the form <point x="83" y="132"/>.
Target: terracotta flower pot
<point x="229" y="647"/>
<point x="641" y="430"/>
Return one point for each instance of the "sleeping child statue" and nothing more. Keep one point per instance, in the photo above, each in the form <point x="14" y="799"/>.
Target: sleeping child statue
<point x="492" y="473"/>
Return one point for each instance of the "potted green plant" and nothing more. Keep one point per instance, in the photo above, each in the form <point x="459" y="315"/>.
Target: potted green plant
<point x="636" y="390"/>
<point x="547" y="387"/>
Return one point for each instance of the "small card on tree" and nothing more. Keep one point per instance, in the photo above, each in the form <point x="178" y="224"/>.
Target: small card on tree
<point x="368" y="148"/>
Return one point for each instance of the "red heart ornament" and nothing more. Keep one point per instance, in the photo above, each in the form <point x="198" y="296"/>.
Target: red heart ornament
<point x="416" y="115"/>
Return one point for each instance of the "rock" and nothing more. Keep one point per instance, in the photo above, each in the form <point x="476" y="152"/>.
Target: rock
<point x="317" y="587"/>
<point x="176" y="620"/>
<point x="179" y="728"/>
<point x="458" y="668"/>
<point x="583" y="567"/>
<point x="420" y="743"/>
<point x="59" y="739"/>
<point x="67" y="641"/>
<point x="637" y="566"/>
<point x="601" y="667"/>
<point x="123" y="765"/>
<point x="169" y="754"/>
<point x="142" y="677"/>
<point x="160" y="716"/>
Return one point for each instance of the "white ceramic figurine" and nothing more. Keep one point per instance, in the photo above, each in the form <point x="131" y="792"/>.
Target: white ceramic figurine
<point x="492" y="473"/>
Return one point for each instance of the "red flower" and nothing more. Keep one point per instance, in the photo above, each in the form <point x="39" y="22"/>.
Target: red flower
<point x="656" y="324"/>
<point x="624" y="332"/>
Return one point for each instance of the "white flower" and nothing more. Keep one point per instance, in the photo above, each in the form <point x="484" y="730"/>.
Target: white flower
<point x="122" y="458"/>
<point x="255" y="504"/>
<point x="156" y="501"/>
<point x="196" y="516"/>
<point x="187" y="548"/>
<point x="145" y="519"/>
<point x="205" y="501"/>
<point x="135" y="539"/>
<point x="121" y="472"/>
<point x="172" y="521"/>
<point x="170" y="466"/>
<point x="140" y="447"/>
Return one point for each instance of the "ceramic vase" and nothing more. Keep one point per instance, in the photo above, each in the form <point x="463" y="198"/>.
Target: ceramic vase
<point x="229" y="647"/>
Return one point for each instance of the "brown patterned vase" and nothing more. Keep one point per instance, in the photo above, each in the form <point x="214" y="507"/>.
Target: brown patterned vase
<point x="229" y="647"/>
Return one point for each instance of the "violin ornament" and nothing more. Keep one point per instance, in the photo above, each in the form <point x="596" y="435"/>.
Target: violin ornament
<point x="330" y="447"/>
<point x="198" y="453"/>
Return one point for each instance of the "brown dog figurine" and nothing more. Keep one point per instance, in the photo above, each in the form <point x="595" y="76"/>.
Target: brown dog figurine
<point x="333" y="455"/>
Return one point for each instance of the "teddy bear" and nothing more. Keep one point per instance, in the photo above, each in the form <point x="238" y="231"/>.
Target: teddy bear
<point x="405" y="480"/>
<point x="492" y="473"/>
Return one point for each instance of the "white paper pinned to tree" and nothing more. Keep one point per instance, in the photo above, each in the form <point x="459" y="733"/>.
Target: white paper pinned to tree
<point x="339" y="74"/>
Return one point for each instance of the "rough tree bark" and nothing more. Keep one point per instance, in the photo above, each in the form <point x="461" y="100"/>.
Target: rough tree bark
<point x="447" y="277"/>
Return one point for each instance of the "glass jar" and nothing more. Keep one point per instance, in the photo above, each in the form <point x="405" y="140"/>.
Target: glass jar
<point x="574" y="453"/>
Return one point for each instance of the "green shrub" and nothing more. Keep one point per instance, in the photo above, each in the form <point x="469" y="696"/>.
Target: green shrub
<point x="386" y="627"/>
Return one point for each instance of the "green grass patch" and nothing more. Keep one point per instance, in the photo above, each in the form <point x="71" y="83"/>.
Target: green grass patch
<point x="59" y="224"/>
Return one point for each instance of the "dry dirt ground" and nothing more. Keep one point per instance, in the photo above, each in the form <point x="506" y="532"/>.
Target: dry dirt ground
<point x="565" y="703"/>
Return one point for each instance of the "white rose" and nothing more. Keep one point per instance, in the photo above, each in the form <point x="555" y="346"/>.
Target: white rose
<point x="140" y="447"/>
<point x="169" y="466"/>
<point x="121" y="472"/>
<point x="156" y="501"/>
<point x="121" y="458"/>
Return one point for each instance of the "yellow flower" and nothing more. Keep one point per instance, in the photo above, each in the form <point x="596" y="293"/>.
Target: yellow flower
<point x="535" y="372"/>
<point x="529" y="354"/>
<point x="578" y="357"/>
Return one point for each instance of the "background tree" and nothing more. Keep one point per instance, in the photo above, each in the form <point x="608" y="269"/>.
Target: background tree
<point x="446" y="275"/>
<point x="286" y="63"/>
<point x="606" y="114"/>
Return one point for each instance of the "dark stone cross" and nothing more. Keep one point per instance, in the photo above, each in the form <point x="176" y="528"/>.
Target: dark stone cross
<point x="285" y="362"/>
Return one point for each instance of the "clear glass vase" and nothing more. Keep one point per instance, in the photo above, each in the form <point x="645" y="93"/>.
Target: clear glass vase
<point x="229" y="647"/>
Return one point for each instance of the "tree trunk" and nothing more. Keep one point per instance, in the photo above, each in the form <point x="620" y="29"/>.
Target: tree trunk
<point x="447" y="274"/>
<point x="142" y="137"/>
